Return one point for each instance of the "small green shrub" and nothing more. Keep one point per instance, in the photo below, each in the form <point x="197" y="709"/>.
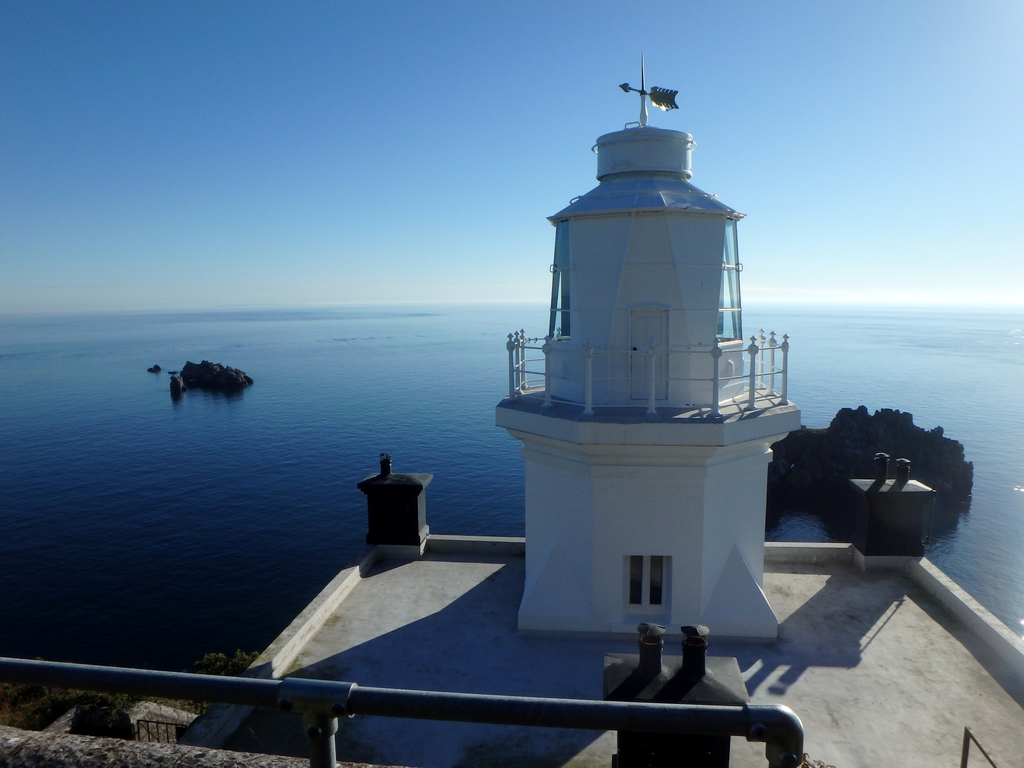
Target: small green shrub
<point x="219" y="664"/>
<point x="33" y="707"/>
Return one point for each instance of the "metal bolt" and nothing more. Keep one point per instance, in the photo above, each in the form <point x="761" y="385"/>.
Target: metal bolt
<point x="338" y="710"/>
<point x="284" y="704"/>
<point x="314" y="732"/>
<point x="789" y="760"/>
<point x="758" y="731"/>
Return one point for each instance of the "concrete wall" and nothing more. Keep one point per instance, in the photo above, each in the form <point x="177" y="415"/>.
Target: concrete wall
<point x="590" y="507"/>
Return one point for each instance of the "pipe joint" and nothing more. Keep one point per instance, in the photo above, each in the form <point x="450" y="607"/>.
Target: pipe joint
<point x="780" y="729"/>
<point x="316" y="697"/>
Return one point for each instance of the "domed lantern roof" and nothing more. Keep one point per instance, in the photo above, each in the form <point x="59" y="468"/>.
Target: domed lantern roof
<point x="645" y="169"/>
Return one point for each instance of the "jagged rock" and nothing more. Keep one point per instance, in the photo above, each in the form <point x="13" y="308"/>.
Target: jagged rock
<point x="207" y="375"/>
<point x="155" y="369"/>
<point x="177" y="386"/>
<point x="811" y="467"/>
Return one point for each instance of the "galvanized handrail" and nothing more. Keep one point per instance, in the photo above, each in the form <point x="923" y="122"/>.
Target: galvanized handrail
<point x="322" y="702"/>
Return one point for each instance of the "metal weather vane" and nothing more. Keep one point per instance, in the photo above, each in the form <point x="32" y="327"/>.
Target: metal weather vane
<point x="662" y="98"/>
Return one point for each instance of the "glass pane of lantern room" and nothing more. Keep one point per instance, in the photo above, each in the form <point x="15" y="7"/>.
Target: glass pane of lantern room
<point x="730" y="298"/>
<point x="730" y="324"/>
<point x="558" y="325"/>
<point x="730" y="251"/>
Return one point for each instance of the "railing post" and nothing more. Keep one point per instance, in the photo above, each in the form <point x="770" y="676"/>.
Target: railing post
<point x="588" y="379"/>
<point x="517" y="341"/>
<point x="752" y="383"/>
<point x="965" y="750"/>
<point x="760" y="359"/>
<point x="785" y="369"/>
<point x="320" y="730"/>
<point x="651" y="384"/>
<point x="716" y="356"/>
<point x="546" y="349"/>
<point x="772" y="344"/>
<point x="510" y="345"/>
<point x="524" y="383"/>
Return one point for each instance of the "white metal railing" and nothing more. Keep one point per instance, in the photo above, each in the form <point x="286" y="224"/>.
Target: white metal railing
<point x="519" y="346"/>
<point x="763" y="383"/>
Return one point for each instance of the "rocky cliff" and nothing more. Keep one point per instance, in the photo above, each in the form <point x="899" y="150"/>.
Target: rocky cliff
<point x="207" y="375"/>
<point x="810" y="468"/>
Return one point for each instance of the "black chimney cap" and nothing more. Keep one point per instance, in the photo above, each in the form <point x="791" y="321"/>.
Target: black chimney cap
<point x="391" y="479"/>
<point x="650" y="630"/>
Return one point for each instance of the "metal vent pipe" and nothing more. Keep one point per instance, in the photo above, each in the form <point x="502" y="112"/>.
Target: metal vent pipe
<point x="695" y="650"/>
<point x="652" y="644"/>
<point x="881" y="467"/>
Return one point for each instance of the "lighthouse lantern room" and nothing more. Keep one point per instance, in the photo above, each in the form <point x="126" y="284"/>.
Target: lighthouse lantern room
<point x="645" y="417"/>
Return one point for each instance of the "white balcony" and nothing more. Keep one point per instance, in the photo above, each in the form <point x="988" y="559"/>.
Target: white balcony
<point x="703" y="379"/>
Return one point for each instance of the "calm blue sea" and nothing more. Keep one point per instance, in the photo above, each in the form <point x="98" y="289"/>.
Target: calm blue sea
<point x="135" y="530"/>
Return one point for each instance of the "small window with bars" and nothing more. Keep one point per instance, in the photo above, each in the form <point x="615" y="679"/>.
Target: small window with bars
<point x="647" y="577"/>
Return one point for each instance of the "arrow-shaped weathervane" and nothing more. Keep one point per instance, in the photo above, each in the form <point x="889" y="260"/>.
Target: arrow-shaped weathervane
<point x="662" y="98"/>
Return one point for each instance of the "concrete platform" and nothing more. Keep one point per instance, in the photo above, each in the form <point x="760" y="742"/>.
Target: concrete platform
<point x="885" y="666"/>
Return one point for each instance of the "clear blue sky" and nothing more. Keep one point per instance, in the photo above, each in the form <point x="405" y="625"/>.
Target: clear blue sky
<point x="202" y="154"/>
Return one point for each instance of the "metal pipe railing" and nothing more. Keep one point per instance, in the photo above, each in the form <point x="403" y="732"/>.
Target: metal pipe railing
<point x="322" y="702"/>
<point x="785" y="369"/>
<point x="513" y="350"/>
<point x="716" y="383"/>
<point x="965" y="750"/>
<point x="760" y="382"/>
<point x="546" y="349"/>
<point x="752" y="350"/>
<point x="588" y="377"/>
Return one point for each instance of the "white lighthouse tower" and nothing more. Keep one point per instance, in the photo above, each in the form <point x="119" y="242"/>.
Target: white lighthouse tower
<point x="645" y="417"/>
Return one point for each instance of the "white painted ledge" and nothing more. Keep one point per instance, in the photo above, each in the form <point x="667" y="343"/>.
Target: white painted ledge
<point x="514" y="546"/>
<point x="978" y="619"/>
<point x="779" y="552"/>
<point x="220" y="721"/>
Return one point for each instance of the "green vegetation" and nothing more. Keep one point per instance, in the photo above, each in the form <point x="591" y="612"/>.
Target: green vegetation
<point x="33" y="707"/>
<point x="219" y="664"/>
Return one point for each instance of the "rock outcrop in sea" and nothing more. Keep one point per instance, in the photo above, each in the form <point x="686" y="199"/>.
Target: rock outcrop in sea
<point x="207" y="375"/>
<point x="811" y="467"/>
<point x="154" y="369"/>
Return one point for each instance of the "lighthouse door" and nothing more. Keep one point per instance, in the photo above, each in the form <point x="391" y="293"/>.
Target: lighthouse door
<point x="648" y="327"/>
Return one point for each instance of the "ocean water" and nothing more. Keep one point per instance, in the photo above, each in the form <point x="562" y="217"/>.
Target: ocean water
<point x="136" y="530"/>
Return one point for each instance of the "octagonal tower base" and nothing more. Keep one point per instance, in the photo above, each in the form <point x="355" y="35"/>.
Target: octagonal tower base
<point x="634" y="518"/>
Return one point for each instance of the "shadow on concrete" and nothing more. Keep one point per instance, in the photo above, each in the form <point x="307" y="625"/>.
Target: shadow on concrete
<point x="470" y="644"/>
<point x="831" y="629"/>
